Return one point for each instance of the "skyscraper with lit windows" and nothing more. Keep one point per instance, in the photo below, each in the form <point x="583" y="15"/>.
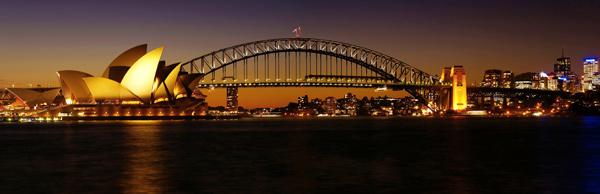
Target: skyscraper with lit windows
<point x="590" y="67"/>
<point x="563" y="65"/>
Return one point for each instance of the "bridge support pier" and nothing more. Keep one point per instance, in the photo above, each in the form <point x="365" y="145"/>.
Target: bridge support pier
<point x="445" y="99"/>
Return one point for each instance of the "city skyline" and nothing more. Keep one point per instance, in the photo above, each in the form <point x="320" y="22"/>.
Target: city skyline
<point x="516" y="36"/>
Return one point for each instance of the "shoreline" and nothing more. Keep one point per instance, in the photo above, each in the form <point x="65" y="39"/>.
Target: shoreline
<point x="237" y="117"/>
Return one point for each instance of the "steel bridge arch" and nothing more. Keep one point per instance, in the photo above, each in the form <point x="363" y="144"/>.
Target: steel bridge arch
<point x="386" y="66"/>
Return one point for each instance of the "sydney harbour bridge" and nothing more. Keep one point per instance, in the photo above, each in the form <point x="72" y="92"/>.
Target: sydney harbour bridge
<point x="308" y="62"/>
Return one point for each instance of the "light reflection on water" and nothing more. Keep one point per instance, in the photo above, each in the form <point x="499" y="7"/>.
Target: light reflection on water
<point x="457" y="155"/>
<point x="143" y="169"/>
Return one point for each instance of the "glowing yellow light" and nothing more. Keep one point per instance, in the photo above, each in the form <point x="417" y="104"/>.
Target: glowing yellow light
<point x="106" y="89"/>
<point x="73" y="86"/>
<point x="170" y="81"/>
<point x="127" y="58"/>
<point x="459" y="88"/>
<point x="139" y="79"/>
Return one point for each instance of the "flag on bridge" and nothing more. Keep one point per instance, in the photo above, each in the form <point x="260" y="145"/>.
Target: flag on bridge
<point x="297" y="32"/>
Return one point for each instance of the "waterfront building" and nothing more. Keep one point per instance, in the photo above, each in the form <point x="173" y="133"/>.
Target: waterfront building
<point x="491" y="78"/>
<point x="32" y="98"/>
<point x="134" y="77"/>
<point x="348" y="104"/>
<point x="303" y="102"/>
<point x="508" y="79"/>
<point x="527" y="80"/>
<point x="496" y="78"/>
<point x="6" y="98"/>
<point x="330" y="105"/>
<point x="232" y="98"/>
<point x="135" y="83"/>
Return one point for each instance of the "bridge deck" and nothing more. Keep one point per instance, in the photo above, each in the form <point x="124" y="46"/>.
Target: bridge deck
<point x="394" y="86"/>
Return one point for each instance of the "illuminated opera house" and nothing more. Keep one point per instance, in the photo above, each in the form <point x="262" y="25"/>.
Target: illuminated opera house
<point x="136" y="83"/>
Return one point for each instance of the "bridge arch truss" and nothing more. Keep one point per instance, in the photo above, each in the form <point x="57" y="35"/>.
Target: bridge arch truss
<point x="307" y="62"/>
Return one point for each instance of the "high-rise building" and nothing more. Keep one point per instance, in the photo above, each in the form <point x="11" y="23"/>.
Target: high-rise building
<point x="232" y="98"/>
<point x="563" y="65"/>
<point x="590" y="67"/>
<point x="492" y="78"/>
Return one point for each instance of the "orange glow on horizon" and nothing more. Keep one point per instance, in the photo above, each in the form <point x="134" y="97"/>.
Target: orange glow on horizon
<point x="281" y="96"/>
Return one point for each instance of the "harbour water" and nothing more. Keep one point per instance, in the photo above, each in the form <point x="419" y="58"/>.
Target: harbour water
<point x="318" y="155"/>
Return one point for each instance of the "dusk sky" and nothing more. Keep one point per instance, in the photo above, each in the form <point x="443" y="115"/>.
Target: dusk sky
<point x="38" y="38"/>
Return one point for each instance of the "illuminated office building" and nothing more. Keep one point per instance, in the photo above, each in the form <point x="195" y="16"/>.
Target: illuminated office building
<point x="562" y="67"/>
<point x="590" y="70"/>
<point x="491" y="78"/>
<point x="507" y="80"/>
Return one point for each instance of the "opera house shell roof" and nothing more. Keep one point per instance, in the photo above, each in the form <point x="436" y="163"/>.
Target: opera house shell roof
<point x="135" y="76"/>
<point x="30" y="97"/>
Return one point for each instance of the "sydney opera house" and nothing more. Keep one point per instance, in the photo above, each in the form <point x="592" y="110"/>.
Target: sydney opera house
<point x="135" y="84"/>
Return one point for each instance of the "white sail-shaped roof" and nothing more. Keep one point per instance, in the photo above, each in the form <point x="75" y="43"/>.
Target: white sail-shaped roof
<point x="32" y="97"/>
<point x="170" y="81"/>
<point x="139" y="79"/>
<point x="107" y="89"/>
<point x="127" y="58"/>
<point x="73" y="87"/>
<point x="180" y="89"/>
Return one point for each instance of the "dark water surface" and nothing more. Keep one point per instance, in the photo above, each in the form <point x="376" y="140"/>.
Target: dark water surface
<point x="352" y="155"/>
